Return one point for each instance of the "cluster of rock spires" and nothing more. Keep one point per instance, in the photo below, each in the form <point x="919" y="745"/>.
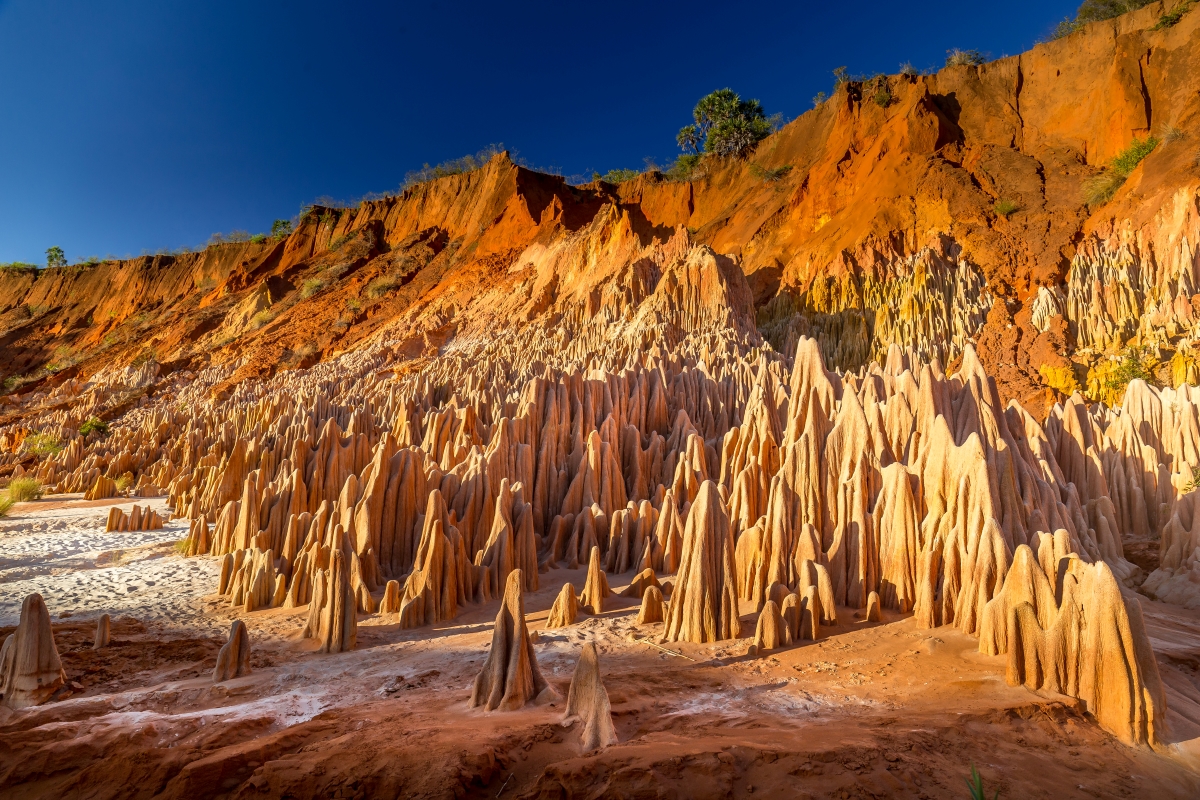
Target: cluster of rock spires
<point x="652" y="432"/>
<point x="138" y="518"/>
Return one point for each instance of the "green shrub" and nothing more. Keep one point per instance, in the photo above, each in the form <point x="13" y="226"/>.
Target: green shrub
<point x="1099" y="189"/>
<point x="258" y="238"/>
<point x="1131" y="156"/>
<point x="20" y="266"/>
<point x="1006" y="207"/>
<point x="686" y="167"/>
<point x="724" y="124"/>
<point x="883" y="92"/>
<point x="456" y="166"/>
<point x="22" y="490"/>
<point x="6" y="504"/>
<point x="769" y="175"/>
<point x="818" y="98"/>
<point x="42" y="444"/>
<point x="1100" y="10"/>
<point x="124" y="482"/>
<point x="967" y="58"/>
<point x="381" y="286"/>
<point x="261" y="318"/>
<point x="311" y="287"/>
<point x="1064" y="29"/>
<point x="1193" y="483"/>
<point x="55" y="257"/>
<point x="281" y="228"/>
<point x="94" y="425"/>
<point x="233" y="237"/>
<point x="615" y="176"/>
<point x="353" y="304"/>
<point x="1135" y="364"/>
<point x="1172" y="17"/>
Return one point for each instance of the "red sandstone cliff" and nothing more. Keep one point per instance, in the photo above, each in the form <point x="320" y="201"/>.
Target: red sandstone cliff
<point x="882" y="230"/>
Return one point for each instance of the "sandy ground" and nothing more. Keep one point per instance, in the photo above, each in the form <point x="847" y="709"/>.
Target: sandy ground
<point x="58" y="548"/>
<point x="871" y="710"/>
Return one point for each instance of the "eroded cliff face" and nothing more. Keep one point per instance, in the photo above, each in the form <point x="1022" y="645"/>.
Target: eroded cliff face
<point x="862" y="224"/>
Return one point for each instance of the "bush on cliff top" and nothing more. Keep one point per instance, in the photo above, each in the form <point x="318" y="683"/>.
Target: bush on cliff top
<point x="725" y="125"/>
<point x="1096" y="11"/>
<point x="615" y="176"/>
<point x="964" y="58"/>
<point x="455" y="166"/>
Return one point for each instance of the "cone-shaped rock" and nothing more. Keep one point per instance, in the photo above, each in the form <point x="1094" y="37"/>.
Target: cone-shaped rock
<point x="595" y="588"/>
<point x="873" y="612"/>
<point x="103" y="632"/>
<point x="643" y="581"/>
<point x="391" y="598"/>
<point x="652" y="609"/>
<point x="510" y="678"/>
<point x="587" y="702"/>
<point x="233" y="660"/>
<point x="30" y="670"/>
<point x="772" y="632"/>
<point x="704" y="605"/>
<point x="565" y="608"/>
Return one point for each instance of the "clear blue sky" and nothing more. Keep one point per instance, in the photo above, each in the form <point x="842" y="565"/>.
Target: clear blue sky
<point x="135" y="125"/>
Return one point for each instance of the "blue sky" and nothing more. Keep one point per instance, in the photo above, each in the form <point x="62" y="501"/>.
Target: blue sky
<point x="131" y="126"/>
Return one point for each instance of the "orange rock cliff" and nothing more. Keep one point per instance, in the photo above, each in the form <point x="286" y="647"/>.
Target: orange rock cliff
<point x="882" y="229"/>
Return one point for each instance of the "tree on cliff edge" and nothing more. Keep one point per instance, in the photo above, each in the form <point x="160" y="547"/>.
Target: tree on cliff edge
<point x="725" y="125"/>
<point x="55" y="257"/>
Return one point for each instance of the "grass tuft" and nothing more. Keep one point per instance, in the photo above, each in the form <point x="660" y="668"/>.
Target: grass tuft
<point x="768" y="174"/>
<point x="1004" y="208"/>
<point x="1099" y="189"/>
<point x="42" y="445"/>
<point x="94" y="425"/>
<point x="22" y="490"/>
<point x="964" y="58"/>
<point x="616" y="176"/>
<point x="1172" y="17"/>
<point x="261" y="318"/>
<point x="975" y="784"/>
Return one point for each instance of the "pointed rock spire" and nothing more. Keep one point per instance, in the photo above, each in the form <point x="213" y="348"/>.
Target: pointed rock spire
<point x="30" y="669"/>
<point x="233" y="660"/>
<point x="587" y="703"/>
<point x="510" y="678"/>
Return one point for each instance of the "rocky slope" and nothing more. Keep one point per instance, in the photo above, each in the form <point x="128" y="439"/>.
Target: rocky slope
<point x="860" y="224"/>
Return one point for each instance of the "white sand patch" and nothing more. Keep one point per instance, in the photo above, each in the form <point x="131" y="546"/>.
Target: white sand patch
<point x="64" y="554"/>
